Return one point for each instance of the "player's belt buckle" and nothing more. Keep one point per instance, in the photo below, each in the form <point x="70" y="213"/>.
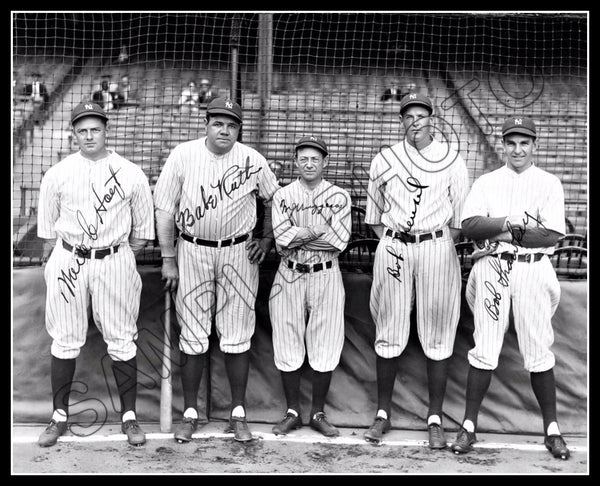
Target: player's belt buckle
<point x="302" y="267"/>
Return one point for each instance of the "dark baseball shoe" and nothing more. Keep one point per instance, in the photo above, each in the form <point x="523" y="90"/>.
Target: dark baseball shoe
<point x="320" y="423"/>
<point x="184" y="431"/>
<point x="437" y="439"/>
<point x="135" y="435"/>
<point x="380" y="426"/>
<point x="289" y="422"/>
<point x="557" y="446"/>
<point x="54" y="430"/>
<point x="464" y="441"/>
<point x="239" y="427"/>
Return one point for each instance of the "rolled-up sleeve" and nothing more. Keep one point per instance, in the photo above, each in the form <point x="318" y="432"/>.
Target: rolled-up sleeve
<point x="48" y="207"/>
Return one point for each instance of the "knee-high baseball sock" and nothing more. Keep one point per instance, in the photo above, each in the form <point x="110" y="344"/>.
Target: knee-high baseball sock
<point x="126" y="377"/>
<point x="544" y="388"/>
<point x="437" y="377"/>
<point x="386" y="378"/>
<point x="191" y="374"/>
<point x="238" y="367"/>
<point x="61" y="378"/>
<point x="320" y="387"/>
<point x="478" y="382"/>
<point x="291" y="388"/>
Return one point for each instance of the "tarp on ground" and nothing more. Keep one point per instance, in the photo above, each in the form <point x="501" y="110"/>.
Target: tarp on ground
<point x="509" y="405"/>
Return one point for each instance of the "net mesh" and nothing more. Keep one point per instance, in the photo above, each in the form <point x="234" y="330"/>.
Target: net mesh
<point x="336" y="75"/>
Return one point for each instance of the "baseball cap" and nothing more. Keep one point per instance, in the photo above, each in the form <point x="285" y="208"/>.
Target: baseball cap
<point x="87" y="108"/>
<point x="225" y="106"/>
<point x="415" y="99"/>
<point x="312" y="141"/>
<point x="519" y="124"/>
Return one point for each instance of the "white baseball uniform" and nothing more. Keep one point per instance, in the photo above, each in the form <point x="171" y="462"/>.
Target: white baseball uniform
<point x="419" y="192"/>
<point x="532" y="287"/>
<point x="213" y="197"/>
<point x="307" y="307"/>
<point x="94" y="205"/>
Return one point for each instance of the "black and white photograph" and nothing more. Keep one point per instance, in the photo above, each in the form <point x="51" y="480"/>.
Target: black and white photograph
<point x="300" y="243"/>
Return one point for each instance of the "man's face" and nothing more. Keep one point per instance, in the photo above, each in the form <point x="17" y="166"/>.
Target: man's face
<point x="417" y="124"/>
<point x="519" y="150"/>
<point x="221" y="133"/>
<point x="310" y="163"/>
<point x="90" y="133"/>
<point x="124" y="81"/>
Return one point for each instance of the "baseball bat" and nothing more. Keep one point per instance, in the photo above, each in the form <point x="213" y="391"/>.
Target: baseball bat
<point x="166" y="385"/>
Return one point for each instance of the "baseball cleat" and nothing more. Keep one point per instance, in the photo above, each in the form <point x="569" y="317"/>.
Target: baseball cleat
<point x="289" y="422"/>
<point x="320" y="423"/>
<point x="239" y="427"/>
<point x="135" y="435"/>
<point x="375" y="433"/>
<point x="50" y="436"/>
<point x="185" y="429"/>
<point x="437" y="439"/>
<point x="557" y="446"/>
<point x="464" y="441"/>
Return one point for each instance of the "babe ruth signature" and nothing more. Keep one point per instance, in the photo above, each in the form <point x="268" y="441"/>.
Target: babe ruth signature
<point x="68" y="278"/>
<point x="394" y="271"/>
<point x="233" y="178"/>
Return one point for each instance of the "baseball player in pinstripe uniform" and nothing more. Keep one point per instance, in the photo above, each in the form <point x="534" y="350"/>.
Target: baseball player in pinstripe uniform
<point x="208" y="188"/>
<point x="515" y="215"/>
<point x="416" y="193"/>
<point x="311" y="225"/>
<point x="97" y="207"/>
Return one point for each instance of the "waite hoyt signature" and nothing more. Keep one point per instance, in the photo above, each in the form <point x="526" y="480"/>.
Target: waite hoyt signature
<point x="233" y="178"/>
<point x="68" y="278"/>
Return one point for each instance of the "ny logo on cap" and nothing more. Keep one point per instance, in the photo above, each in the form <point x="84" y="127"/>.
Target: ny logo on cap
<point x="313" y="138"/>
<point x="518" y="121"/>
<point x="413" y="96"/>
<point x="228" y="104"/>
<point x="89" y="107"/>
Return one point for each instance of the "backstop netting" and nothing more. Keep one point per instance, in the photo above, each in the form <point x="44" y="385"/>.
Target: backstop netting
<point x="336" y="75"/>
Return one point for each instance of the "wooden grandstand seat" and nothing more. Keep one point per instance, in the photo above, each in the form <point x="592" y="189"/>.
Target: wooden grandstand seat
<point x="359" y="255"/>
<point x="570" y="262"/>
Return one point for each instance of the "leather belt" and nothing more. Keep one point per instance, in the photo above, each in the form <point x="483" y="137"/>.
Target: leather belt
<point x="307" y="268"/>
<point x="524" y="257"/>
<point x="90" y="253"/>
<point x="213" y="243"/>
<point x="408" y="238"/>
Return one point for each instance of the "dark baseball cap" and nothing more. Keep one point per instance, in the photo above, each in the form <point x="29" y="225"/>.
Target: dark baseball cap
<point x="410" y="99"/>
<point x="225" y="106"/>
<point x="87" y="108"/>
<point x="519" y="124"/>
<point x="312" y="141"/>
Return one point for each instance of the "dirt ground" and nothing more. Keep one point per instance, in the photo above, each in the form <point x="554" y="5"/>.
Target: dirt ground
<point x="303" y="452"/>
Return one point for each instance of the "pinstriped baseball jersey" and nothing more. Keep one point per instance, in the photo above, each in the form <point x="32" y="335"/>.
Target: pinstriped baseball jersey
<point x="94" y="205"/>
<point x="307" y="309"/>
<point x="531" y="287"/>
<point x="417" y="190"/>
<point x="503" y="192"/>
<point x="213" y="196"/>
<point x="295" y="207"/>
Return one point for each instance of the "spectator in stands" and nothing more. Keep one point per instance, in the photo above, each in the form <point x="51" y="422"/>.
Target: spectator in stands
<point x="104" y="96"/>
<point x="394" y="93"/>
<point x="205" y="94"/>
<point x="125" y="95"/>
<point x="189" y="99"/>
<point x="38" y="94"/>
